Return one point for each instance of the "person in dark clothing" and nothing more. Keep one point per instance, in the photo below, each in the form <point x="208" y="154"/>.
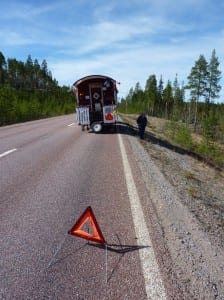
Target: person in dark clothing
<point x="142" y="122"/>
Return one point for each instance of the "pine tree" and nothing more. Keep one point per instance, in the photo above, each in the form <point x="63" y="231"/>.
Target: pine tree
<point x="198" y="78"/>
<point x="198" y="83"/>
<point x="2" y="69"/>
<point x="160" y="92"/>
<point x="43" y="75"/>
<point x="168" y="99"/>
<point x="214" y="77"/>
<point x="135" y="96"/>
<point x="177" y="94"/>
<point x="178" y="98"/>
<point x="29" y="72"/>
<point x="36" y="74"/>
<point x="151" y="94"/>
<point x="130" y="95"/>
<point x="12" y="72"/>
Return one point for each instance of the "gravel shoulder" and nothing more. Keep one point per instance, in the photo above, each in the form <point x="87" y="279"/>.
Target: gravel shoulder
<point x="184" y="207"/>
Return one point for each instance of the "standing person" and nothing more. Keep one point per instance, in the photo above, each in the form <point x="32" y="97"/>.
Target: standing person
<point x="142" y="122"/>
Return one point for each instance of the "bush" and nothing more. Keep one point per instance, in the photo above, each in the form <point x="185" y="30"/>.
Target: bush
<point x="183" y="136"/>
<point x="211" y="151"/>
<point x="180" y="134"/>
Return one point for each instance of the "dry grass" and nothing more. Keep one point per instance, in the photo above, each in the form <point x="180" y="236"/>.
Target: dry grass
<point x="189" y="175"/>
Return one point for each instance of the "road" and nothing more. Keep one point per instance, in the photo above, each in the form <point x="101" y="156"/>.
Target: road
<point x="50" y="172"/>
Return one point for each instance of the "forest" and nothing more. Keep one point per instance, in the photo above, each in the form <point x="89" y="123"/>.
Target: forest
<point x="28" y="92"/>
<point x="200" y="113"/>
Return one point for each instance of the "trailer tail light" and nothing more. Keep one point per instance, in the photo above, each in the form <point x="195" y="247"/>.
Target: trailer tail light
<point x="109" y="117"/>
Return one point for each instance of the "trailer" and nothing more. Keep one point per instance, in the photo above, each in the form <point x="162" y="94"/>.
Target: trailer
<point x="96" y="97"/>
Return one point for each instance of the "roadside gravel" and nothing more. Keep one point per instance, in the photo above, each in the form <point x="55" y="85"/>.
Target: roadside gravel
<point x="184" y="207"/>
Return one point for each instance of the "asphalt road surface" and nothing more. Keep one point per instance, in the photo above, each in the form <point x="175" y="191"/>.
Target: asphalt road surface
<point x="50" y="171"/>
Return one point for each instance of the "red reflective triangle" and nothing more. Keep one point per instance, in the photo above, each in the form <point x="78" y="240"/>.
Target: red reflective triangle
<point x="88" y="216"/>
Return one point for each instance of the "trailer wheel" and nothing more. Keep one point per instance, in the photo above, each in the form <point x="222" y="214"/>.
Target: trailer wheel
<point x="96" y="127"/>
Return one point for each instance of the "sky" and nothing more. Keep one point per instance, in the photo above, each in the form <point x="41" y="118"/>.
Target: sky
<point x="128" y="40"/>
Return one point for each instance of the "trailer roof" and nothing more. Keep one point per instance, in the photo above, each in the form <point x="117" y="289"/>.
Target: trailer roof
<point x="76" y="83"/>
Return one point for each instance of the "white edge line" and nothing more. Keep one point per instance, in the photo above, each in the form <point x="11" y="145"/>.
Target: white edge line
<point x="153" y="282"/>
<point x="7" y="152"/>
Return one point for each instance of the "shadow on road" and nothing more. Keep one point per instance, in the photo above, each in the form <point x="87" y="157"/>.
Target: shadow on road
<point x="121" y="249"/>
<point x="118" y="248"/>
<point x="127" y="129"/>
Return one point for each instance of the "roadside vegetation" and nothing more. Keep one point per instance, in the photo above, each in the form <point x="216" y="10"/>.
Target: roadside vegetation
<point x="28" y="92"/>
<point x="196" y="124"/>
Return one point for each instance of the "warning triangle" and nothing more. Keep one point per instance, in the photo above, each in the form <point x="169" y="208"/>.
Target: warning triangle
<point x="88" y="218"/>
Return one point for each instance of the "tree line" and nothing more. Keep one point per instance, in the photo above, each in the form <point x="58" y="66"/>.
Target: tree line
<point x="169" y="102"/>
<point x="28" y="91"/>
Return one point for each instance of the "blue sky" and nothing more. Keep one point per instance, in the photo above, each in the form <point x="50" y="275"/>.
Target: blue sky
<point x="128" y="40"/>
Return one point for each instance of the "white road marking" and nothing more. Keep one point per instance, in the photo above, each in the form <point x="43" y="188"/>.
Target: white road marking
<point x="7" y="152"/>
<point x="71" y="124"/>
<point x="153" y="282"/>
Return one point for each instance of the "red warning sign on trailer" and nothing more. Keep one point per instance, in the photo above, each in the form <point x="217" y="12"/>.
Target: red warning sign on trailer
<point x="88" y="219"/>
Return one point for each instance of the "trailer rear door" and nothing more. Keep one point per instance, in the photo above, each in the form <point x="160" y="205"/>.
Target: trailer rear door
<point x="96" y="98"/>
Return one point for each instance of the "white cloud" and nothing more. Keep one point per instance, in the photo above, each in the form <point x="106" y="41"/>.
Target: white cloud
<point x="127" y="40"/>
<point x="27" y="11"/>
<point x="105" y="35"/>
<point x="132" y="64"/>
